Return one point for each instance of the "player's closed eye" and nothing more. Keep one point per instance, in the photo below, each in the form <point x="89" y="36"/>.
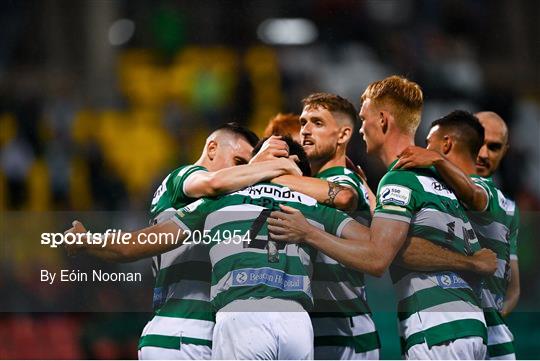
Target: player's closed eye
<point x="239" y="161"/>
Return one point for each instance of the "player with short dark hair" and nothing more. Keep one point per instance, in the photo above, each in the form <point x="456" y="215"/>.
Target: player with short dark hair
<point x="465" y="128"/>
<point x="452" y="147"/>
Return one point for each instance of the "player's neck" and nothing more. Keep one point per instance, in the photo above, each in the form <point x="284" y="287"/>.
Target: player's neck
<point x="203" y="161"/>
<point x="393" y="146"/>
<point x="465" y="163"/>
<point x="337" y="160"/>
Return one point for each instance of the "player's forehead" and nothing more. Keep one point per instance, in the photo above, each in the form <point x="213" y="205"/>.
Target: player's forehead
<point x="494" y="130"/>
<point x="311" y="112"/>
<point x="366" y="107"/>
<point x="240" y="147"/>
<point x="433" y="132"/>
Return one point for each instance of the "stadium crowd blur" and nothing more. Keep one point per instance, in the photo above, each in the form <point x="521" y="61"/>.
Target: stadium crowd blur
<point x="89" y="124"/>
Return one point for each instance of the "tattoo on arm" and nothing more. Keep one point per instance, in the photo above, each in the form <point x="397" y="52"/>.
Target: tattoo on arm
<point x="333" y="190"/>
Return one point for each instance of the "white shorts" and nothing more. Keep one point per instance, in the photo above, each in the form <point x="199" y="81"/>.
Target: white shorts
<point x="468" y="348"/>
<point x="256" y="335"/>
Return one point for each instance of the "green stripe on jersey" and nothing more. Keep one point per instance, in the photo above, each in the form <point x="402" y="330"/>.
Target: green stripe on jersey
<point x="439" y="334"/>
<point x="185" y="308"/>
<point x="171" y="342"/>
<point x="337" y="273"/>
<point x="190" y="270"/>
<point x="432" y="297"/>
<point x="501" y="349"/>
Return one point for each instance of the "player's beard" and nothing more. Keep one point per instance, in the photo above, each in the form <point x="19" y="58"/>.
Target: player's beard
<point x="318" y="157"/>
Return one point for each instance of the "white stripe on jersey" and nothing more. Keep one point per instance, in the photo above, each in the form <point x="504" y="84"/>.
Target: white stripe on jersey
<point x="494" y="230"/>
<point x="440" y="314"/>
<point x="499" y="334"/>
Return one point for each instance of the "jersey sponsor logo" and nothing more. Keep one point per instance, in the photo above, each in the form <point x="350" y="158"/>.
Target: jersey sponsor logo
<point x="451" y="280"/>
<point x="277" y="193"/>
<point x="269" y="277"/>
<point x="395" y="194"/>
<point x="432" y="185"/>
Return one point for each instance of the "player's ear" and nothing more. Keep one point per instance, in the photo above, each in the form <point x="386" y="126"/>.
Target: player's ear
<point x="211" y="149"/>
<point x="345" y="134"/>
<point x="447" y="144"/>
<point x="384" y="118"/>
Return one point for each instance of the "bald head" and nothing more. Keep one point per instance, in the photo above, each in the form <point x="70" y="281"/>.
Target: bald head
<point x="492" y="122"/>
<point x="495" y="143"/>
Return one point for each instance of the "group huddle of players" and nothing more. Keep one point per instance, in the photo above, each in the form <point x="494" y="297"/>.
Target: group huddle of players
<point x="308" y="228"/>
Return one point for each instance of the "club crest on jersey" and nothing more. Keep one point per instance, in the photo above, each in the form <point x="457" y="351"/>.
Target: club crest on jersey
<point x="395" y="194"/>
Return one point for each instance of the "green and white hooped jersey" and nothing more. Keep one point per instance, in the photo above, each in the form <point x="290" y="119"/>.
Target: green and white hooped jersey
<point x="181" y="302"/>
<point x="434" y="307"/>
<point x="497" y="229"/>
<point x="243" y="265"/>
<point x="341" y="316"/>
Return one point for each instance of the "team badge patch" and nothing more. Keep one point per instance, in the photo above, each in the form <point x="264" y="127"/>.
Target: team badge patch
<point x="394" y="194"/>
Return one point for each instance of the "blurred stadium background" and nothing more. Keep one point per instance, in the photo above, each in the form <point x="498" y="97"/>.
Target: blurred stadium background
<point x="101" y="99"/>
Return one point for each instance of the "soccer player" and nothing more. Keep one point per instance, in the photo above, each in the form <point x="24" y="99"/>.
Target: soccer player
<point x="452" y="149"/>
<point x="183" y="319"/>
<point x="263" y="291"/>
<point x="341" y="317"/>
<point x="440" y="317"/>
<point x="489" y="158"/>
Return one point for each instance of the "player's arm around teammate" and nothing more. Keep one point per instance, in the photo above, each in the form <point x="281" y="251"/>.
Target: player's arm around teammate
<point x="370" y="250"/>
<point x="115" y="251"/>
<point x="326" y="192"/>
<point x="272" y="163"/>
